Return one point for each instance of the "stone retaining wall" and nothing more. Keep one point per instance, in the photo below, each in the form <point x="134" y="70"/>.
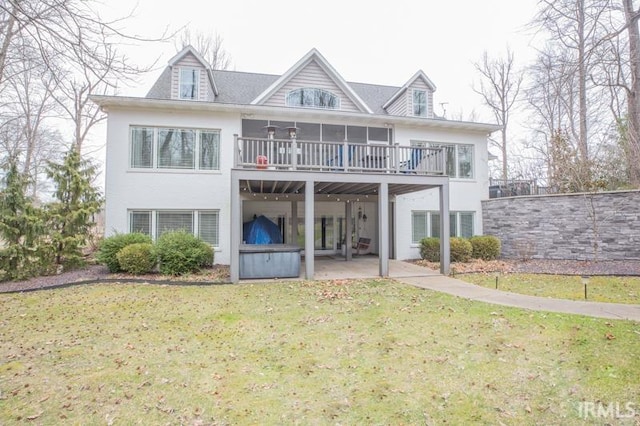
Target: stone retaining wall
<point x="568" y="226"/>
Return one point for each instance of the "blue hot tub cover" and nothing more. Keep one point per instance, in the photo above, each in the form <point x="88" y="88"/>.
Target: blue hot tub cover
<point x="261" y="230"/>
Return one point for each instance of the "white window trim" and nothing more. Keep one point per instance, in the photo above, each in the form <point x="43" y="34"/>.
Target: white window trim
<point x="426" y="103"/>
<point x="197" y="83"/>
<point x="451" y="212"/>
<point x="338" y="99"/>
<point x="195" y="214"/>
<point x="154" y="166"/>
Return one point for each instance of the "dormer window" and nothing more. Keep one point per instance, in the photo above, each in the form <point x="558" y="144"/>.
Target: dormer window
<point x="313" y="98"/>
<point x="189" y="78"/>
<point x="419" y="103"/>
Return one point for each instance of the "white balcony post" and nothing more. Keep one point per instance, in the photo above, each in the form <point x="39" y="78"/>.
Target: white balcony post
<point x="383" y="229"/>
<point x="345" y="155"/>
<point x="396" y="150"/>
<point x="236" y="151"/>
<point x="294" y="153"/>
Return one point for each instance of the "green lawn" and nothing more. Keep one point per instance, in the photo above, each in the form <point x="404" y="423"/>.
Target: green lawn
<point x="599" y="289"/>
<point x="340" y="352"/>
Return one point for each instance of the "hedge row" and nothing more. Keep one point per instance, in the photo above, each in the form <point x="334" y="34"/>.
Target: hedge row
<point x="175" y="253"/>
<point x="485" y="247"/>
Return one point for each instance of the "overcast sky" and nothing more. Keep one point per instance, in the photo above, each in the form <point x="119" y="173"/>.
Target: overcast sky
<point x="364" y="41"/>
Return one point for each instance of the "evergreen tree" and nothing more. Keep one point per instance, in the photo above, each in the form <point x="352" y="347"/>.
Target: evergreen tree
<point x="21" y="227"/>
<point x="71" y="216"/>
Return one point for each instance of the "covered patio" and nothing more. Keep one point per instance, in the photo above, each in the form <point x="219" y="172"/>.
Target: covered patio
<point x="307" y="187"/>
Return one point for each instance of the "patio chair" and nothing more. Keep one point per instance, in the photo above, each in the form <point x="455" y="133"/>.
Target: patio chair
<point x="410" y="165"/>
<point x="363" y="244"/>
<point x="338" y="161"/>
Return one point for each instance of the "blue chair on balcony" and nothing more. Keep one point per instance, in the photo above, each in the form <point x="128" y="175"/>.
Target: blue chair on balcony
<point x="338" y="161"/>
<point x="410" y="165"/>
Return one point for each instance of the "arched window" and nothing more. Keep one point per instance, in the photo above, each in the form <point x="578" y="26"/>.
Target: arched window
<point x="313" y="98"/>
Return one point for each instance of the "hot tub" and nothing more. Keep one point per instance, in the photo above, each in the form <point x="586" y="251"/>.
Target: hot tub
<point x="269" y="261"/>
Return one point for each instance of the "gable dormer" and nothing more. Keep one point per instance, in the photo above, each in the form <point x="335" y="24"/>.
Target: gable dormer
<point x="312" y="83"/>
<point x="414" y="99"/>
<point x="191" y="77"/>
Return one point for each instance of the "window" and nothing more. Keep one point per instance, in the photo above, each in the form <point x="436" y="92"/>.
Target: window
<point x="189" y="83"/>
<point x="427" y="224"/>
<point x="167" y="221"/>
<point x="203" y="223"/>
<point x="419" y="220"/>
<point x="458" y="158"/>
<point x="167" y="148"/>
<point x="318" y="131"/>
<point x="208" y="227"/>
<point x="379" y="134"/>
<point x="209" y="150"/>
<point x="419" y="103"/>
<point x="176" y="149"/>
<point x="312" y="98"/>
<point x="141" y="147"/>
<point x="140" y="221"/>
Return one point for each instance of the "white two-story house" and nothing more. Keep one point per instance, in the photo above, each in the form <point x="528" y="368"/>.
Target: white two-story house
<point x="330" y="162"/>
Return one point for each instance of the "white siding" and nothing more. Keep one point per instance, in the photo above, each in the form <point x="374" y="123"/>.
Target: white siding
<point x="399" y="106"/>
<point x="152" y="189"/>
<point x="204" y="89"/>
<point x="403" y="106"/>
<point x="464" y="194"/>
<point x="311" y="76"/>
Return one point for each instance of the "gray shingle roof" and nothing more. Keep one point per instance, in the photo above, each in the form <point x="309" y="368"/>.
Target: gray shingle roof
<point x="241" y="88"/>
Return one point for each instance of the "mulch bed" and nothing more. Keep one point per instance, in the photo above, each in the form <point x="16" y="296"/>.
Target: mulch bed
<point x="220" y="274"/>
<point x="540" y="266"/>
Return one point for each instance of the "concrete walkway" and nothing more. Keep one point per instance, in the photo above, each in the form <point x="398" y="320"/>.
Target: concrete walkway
<point x="367" y="267"/>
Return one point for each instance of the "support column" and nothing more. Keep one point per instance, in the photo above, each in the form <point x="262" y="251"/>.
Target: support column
<point x="444" y="229"/>
<point x="348" y="208"/>
<point x="383" y="229"/>
<point x="236" y="224"/>
<point x="309" y="216"/>
<point x="294" y="223"/>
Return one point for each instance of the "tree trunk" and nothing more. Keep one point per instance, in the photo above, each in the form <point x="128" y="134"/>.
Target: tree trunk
<point x="8" y="35"/>
<point x="633" y="95"/>
<point x="582" y="86"/>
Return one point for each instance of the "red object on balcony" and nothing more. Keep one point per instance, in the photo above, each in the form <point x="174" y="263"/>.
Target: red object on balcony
<point x="262" y="161"/>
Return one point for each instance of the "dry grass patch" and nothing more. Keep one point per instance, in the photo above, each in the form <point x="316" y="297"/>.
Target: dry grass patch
<point x="335" y="352"/>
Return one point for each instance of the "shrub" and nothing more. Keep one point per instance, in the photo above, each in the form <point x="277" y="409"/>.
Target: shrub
<point x="180" y="252"/>
<point x="109" y="248"/>
<point x="485" y="247"/>
<point x="461" y="249"/>
<point x="137" y="258"/>
<point x="430" y="249"/>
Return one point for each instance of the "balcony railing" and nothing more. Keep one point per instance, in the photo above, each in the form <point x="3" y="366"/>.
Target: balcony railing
<point x="499" y="188"/>
<point x="292" y="154"/>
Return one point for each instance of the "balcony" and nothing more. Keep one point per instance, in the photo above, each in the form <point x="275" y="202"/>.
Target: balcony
<point x="278" y="154"/>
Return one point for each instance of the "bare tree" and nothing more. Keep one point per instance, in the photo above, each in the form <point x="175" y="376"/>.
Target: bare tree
<point x="632" y="14"/>
<point x="77" y="47"/>
<point x="208" y="45"/>
<point x="576" y="28"/>
<point x="499" y="87"/>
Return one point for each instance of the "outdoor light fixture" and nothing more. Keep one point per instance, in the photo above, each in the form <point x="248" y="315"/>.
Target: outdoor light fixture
<point x="585" y="282"/>
<point x="293" y="131"/>
<point x="364" y="215"/>
<point x="271" y="131"/>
